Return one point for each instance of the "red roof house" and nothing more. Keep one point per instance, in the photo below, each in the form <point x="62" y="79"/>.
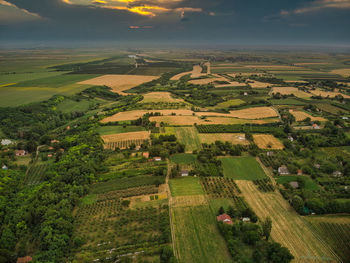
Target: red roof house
<point x="225" y="218"/>
<point x="24" y="259"/>
<point x="20" y="152"/>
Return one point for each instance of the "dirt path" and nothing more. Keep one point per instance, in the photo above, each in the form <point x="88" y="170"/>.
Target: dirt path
<point x="288" y="228"/>
<point x="171" y="213"/>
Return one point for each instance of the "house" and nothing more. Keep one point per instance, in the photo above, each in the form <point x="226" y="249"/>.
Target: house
<point x="270" y="153"/>
<point x="294" y="185"/>
<point x="315" y="126"/>
<point x="290" y="138"/>
<point x="184" y="173"/>
<point x="54" y="141"/>
<point x="62" y="150"/>
<point x="145" y="154"/>
<point x="245" y="219"/>
<point x="345" y="118"/>
<point x="317" y="166"/>
<point x="283" y="170"/>
<point x="5" y="142"/>
<point x="49" y="155"/>
<point x="4" y="167"/>
<point x="337" y="174"/>
<point x="20" y="152"/>
<point x="137" y="148"/>
<point x="24" y="259"/>
<point x="225" y="218"/>
<point x="68" y="128"/>
<point x="245" y="93"/>
<point x="300" y="172"/>
<point x="157" y="159"/>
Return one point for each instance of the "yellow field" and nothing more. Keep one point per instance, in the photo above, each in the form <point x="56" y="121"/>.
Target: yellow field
<point x="288" y="228"/>
<point x="232" y="83"/>
<point x="207" y="80"/>
<point x="336" y="219"/>
<point x="189" y="200"/>
<point x="234" y="138"/>
<point x="195" y="73"/>
<point x="301" y="115"/>
<point x="159" y="97"/>
<point x="267" y="141"/>
<point x="258" y="85"/>
<point x="135" y="114"/>
<point x="119" y="83"/>
<point x="290" y="90"/>
<point x="140" y="135"/>
<point x="255" y="113"/>
<point x="325" y="94"/>
<point x="345" y="72"/>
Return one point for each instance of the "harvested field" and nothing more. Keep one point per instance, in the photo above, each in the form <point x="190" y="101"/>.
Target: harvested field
<point x="135" y="114"/>
<point x="330" y="94"/>
<point x="291" y="90"/>
<point x="231" y="84"/>
<point x="258" y="85"/>
<point x="345" y="72"/>
<point x="301" y="115"/>
<point x="288" y="228"/>
<point x="154" y="97"/>
<point x="226" y="104"/>
<point x="189" y="200"/>
<point x="124" y="140"/>
<point x="267" y="141"/>
<point x="119" y="83"/>
<point x="255" y="113"/>
<point x="238" y="74"/>
<point x="207" y="80"/>
<point x="234" y="138"/>
<point x="195" y="73"/>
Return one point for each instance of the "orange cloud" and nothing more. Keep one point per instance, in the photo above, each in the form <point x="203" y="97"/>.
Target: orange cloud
<point x="144" y="10"/>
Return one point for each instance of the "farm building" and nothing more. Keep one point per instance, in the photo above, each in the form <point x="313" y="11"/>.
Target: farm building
<point x="345" y="118"/>
<point x="225" y="218"/>
<point x="20" y="152"/>
<point x="315" y="126"/>
<point x="24" y="259"/>
<point x="5" y="142"/>
<point x="245" y="219"/>
<point x="283" y="170"/>
<point x="337" y="174"/>
<point x="184" y="173"/>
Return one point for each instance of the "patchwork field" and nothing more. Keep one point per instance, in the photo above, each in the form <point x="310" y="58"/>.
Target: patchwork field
<point x="345" y="72"/>
<point x="119" y="83"/>
<point x="326" y="94"/>
<point x="155" y="97"/>
<point x="290" y="90"/>
<point x="301" y="115"/>
<point x="254" y="113"/>
<point x="242" y="168"/>
<point x="234" y="138"/>
<point x="258" y="85"/>
<point x="125" y="140"/>
<point x="189" y="137"/>
<point x="267" y="141"/>
<point x="288" y="228"/>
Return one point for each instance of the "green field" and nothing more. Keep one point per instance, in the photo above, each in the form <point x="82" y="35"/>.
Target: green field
<point x="197" y="237"/>
<point x="189" y="137"/>
<point x="18" y="77"/>
<point x="286" y="102"/>
<point x="226" y="104"/>
<point x="186" y="186"/>
<point x="69" y="105"/>
<point x="242" y="168"/>
<point x="106" y="130"/>
<point x="183" y="158"/>
<point x="309" y="184"/>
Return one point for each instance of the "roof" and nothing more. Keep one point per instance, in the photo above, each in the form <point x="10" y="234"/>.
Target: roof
<point x="224" y="218"/>
<point x="20" y="152"/>
<point x="283" y="170"/>
<point x="145" y="154"/>
<point x="24" y="259"/>
<point x="5" y="142"/>
<point x="294" y="184"/>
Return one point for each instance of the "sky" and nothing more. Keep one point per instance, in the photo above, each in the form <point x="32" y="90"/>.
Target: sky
<point x="240" y="22"/>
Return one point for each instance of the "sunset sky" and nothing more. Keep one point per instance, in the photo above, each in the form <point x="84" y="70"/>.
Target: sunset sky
<point x="251" y="22"/>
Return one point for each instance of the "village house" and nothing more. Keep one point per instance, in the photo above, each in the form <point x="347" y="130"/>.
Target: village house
<point x="315" y="126"/>
<point x="184" y="173"/>
<point x="25" y="259"/>
<point x="157" y="159"/>
<point x="4" y="167"/>
<point x="283" y="170"/>
<point x="20" y="152"/>
<point x="245" y="219"/>
<point x="337" y="174"/>
<point x="145" y="154"/>
<point x="225" y="218"/>
<point x="294" y="185"/>
<point x="5" y="142"/>
<point x="317" y="166"/>
<point x="300" y="172"/>
<point x="290" y="138"/>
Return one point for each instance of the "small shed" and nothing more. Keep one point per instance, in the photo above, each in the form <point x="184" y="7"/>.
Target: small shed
<point x="225" y="218"/>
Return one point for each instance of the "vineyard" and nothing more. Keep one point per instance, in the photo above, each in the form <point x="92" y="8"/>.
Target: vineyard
<point x="338" y="237"/>
<point x="124" y="144"/>
<point x="218" y="187"/>
<point x="35" y="174"/>
<point x="237" y="128"/>
<point x="264" y="185"/>
<point x="112" y="231"/>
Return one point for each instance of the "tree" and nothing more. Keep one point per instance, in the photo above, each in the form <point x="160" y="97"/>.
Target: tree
<point x="298" y="204"/>
<point x="221" y="210"/>
<point x="231" y="211"/>
<point x="266" y="227"/>
<point x="278" y="254"/>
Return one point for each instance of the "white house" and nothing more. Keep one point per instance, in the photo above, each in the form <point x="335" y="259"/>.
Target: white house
<point x="283" y="170"/>
<point x="184" y="173"/>
<point x="5" y="142"/>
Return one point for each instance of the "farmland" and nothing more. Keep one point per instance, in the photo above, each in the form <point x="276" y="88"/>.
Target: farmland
<point x="124" y="140"/>
<point x="185" y="186"/>
<point x="108" y="130"/>
<point x="291" y="90"/>
<point x="234" y="138"/>
<point x="189" y="137"/>
<point x="155" y="97"/>
<point x="267" y="141"/>
<point x="288" y="228"/>
<point x="301" y="115"/>
<point x="242" y="168"/>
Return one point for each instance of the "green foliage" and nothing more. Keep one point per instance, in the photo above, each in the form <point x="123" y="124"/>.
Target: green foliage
<point x="242" y="168"/>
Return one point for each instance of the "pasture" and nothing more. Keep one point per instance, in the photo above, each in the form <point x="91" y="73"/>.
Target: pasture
<point x="234" y="138"/>
<point x="288" y="228"/>
<point x="189" y="137"/>
<point x="242" y="168"/>
<point x="185" y="186"/>
<point x="267" y="141"/>
<point x="119" y="83"/>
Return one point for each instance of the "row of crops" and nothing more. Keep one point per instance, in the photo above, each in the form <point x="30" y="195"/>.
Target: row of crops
<point x="264" y="185"/>
<point x="35" y="174"/>
<point x="124" y="144"/>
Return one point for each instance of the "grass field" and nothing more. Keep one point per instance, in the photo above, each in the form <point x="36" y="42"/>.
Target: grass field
<point x="287" y="102"/>
<point x="20" y="77"/>
<point x="197" y="237"/>
<point x="108" y="130"/>
<point x="186" y="186"/>
<point x="267" y="141"/>
<point x="330" y="108"/>
<point x="189" y="137"/>
<point x="288" y="228"/>
<point x="234" y="138"/>
<point x="68" y="105"/>
<point x="227" y="104"/>
<point x="183" y="158"/>
<point x="242" y="168"/>
<point x="309" y="184"/>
